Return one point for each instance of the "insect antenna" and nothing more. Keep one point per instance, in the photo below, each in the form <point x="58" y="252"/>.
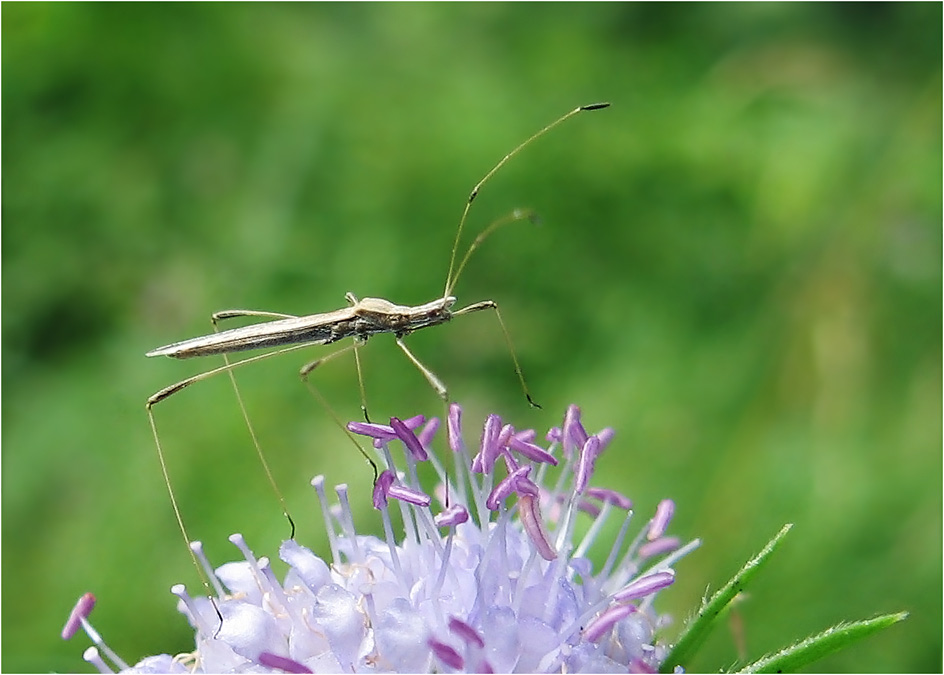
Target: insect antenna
<point x="454" y="271"/>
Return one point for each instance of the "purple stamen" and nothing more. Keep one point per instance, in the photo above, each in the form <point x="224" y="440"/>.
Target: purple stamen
<point x="488" y="451"/>
<point x="414" y="422"/>
<point x="466" y="632"/>
<point x="658" y="547"/>
<point x="383" y="432"/>
<point x="409" y="495"/>
<point x="446" y="654"/>
<point x="588" y="457"/>
<point x="510" y="462"/>
<point x="643" y="586"/>
<point x="530" y="513"/>
<point x="505" y="435"/>
<point x="637" y="665"/>
<point x="286" y="665"/>
<point x="533" y="452"/>
<point x="553" y="435"/>
<point x="589" y="508"/>
<point x="409" y="439"/>
<point x="426" y="434"/>
<point x="605" y="435"/>
<point x="380" y="432"/>
<point x="573" y="435"/>
<point x="451" y="516"/>
<point x="505" y="487"/>
<point x="660" y="521"/>
<point x="382" y="488"/>
<point x="609" y="497"/>
<point x="601" y="625"/>
<point x="83" y="607"/>
<point x="526" y="486"/>
<point x="527" y="435"/>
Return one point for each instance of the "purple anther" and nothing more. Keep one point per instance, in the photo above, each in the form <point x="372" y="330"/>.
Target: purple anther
<point x="477" y="463"/>
<point x="505" y="435"/>
<point x="505" y="487"/>
<point x="409" y="439"/>
<point x="451" y="516"/>
<point x="602" y="624"/>
<point x="446" y="654"/>
<point x="529" y="511"/>
<point x="526" y="435"/>
<point x="660" y="521"/>
<point x="285" y="664"/>
<point x="382" y="488"/>
<point x="414" y="422"/>
<point x="533" y="452"/>
<point x="641" y="666"/>
<point x="610" y="497"/>
<point x="573" y="435"/>
<point x="658" y="547"/>
<point x="489" y="447"/>
<point x="510" y="462"/>
<point x="409" y="495"/>
<point x="588" y="457"/>
<point x="526" y="486"/>
<point x="588" y="507"/>
<point x="380" y="432"/>
<point x="553" y="435"/>
<point x="466" y="633"/>
<point x="643" y="586"/>
<point x="83" y="607"/>
<point x="454" y="427"/>
<point x="429" y="430"/>
<point x="605" y="435"/>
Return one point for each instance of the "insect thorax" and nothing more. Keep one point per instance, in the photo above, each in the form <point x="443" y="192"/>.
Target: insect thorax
<point x="376" y="315"/>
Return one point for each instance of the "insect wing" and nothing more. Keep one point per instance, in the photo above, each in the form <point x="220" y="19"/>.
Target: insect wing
<point x="314" y="329"/>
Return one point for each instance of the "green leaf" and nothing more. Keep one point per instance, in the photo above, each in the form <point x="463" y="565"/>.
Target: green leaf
<point x="833" y="639"/>
<point x="696" y="631"/>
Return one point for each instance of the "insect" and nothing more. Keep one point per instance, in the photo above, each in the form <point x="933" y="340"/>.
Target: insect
<point x="360" y="320"/>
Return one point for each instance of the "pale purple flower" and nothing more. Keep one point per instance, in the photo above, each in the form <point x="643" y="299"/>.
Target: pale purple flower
<point x="491" y="579"/>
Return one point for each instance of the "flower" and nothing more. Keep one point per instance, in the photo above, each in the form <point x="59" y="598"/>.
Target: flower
<point x="494" y="581"/>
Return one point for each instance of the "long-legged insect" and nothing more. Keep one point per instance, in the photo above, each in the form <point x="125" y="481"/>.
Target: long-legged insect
<point x="360" y="320"/>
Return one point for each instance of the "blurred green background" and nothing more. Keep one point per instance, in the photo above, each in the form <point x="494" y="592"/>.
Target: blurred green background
<point x="738" y="267"/>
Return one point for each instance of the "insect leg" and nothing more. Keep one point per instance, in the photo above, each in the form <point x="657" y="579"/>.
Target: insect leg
<point x="236" y="313"/>
<point x="305" y="372"/>
<point x="149" y="405"/>
<point x="360" y="378"/>
<point x="231" y="314"/>
<point x="166" y="392"/>
<point x="430" y="376"/>
<point x="491" y="304"/>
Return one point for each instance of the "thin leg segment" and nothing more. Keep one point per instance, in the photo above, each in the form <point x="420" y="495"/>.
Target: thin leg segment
<point x="169" y="391"/>
<point x="180" y="520"/>
<point x="306" y="371"/>
<point x="491" y="304"/>
<point x="229" y="314"/>
<point x="239" y="313"/>
<point x="430" y="376"/>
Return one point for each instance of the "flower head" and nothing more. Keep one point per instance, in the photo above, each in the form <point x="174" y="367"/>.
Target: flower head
<point x="492" y="579"/>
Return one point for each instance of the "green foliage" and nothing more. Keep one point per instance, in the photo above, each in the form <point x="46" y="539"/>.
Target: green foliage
<point x="812" y="649"/>
<point x="696" y="630"/>
<point x="738" y="266"/>
<point x="787" y="660"/>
